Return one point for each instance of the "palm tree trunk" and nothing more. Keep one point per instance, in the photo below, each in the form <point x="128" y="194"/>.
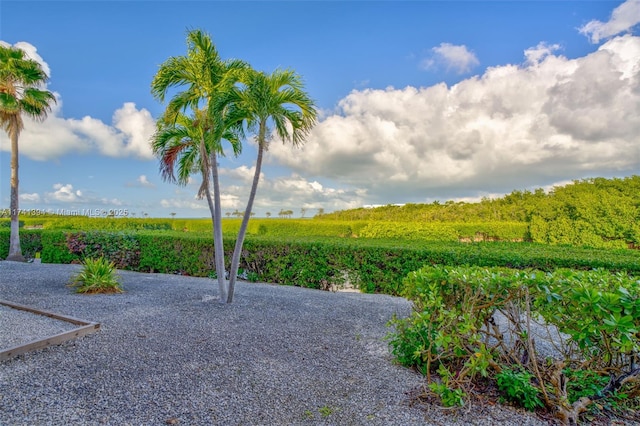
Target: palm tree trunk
<point x="237" y="251"/>
<point x="218" y="242"/>
<point x="15" y="252"/>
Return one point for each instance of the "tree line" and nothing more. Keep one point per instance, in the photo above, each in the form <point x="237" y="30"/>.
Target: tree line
<point x="597" y="212"/>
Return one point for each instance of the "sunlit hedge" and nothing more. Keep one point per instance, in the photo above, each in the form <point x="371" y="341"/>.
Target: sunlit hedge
<point x="374" y="265"/>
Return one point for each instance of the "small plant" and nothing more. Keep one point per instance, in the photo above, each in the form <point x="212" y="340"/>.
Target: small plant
<point x="449" y="397"/>
<point x="96" y="276"/>
<point x="325" y="411"/>
<point x="253" y="277"/>
<point x="517" y="388"/>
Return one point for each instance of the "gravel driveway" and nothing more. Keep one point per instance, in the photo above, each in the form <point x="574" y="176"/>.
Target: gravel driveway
<point x="168" y="353"/>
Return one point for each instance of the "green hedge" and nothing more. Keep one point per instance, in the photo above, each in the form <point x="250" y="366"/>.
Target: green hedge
<point x="374" y="265"/>
<point x="30" y="242"/>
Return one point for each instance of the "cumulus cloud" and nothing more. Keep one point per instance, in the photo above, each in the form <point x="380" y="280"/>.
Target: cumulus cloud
<point x="274" y="193"/>
<point x="142" y="181"/>
<point x="64" y="193"/>
<point x="536" y="54"/>
<point x="550" y="119"/>
<point x="623" y="19"/>
<point x="452" y="57"/>
<point x="127" y="135"/>
<point x="67" y="195"/>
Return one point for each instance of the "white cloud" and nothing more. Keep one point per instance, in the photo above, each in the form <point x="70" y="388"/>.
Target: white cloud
<point x="64" y="193"/>
<point x="181" y="203"/>
<point x="623" y="19"/>
<point x="30" y="198"/>
<point x="535" y="55"/>
<point x="456" y="58"/>
<point x="68" y="196"/>
<point x="274" y="193"/>
<point x="548" y="120"/>
<point x="127" y="136"/>
<point x="141" y="181"/>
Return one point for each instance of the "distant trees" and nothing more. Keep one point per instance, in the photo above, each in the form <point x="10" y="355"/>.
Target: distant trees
<point x="20" y="93"/>
<point x="595" y="212"/>
<point x="285" y="213"/>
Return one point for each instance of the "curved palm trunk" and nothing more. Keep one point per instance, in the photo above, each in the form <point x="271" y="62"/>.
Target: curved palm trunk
<point x="237" y="251"/>
<point x="15" y="252"/>
<point x="218" y="242"/>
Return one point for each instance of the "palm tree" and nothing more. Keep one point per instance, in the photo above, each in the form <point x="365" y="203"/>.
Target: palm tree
<point x="21" y="80"/>
<point x="206" y="78"/>
<point x="276" y="99"/>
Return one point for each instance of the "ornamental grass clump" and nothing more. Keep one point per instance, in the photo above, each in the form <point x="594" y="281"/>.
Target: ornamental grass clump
<point x="96" y="276"/>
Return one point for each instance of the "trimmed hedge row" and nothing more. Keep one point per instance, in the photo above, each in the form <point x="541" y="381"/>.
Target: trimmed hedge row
<point x="372" y="265"/>
<point x="287" y="228"/>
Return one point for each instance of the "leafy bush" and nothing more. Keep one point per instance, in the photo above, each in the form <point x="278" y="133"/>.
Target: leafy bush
<point x="123" y="249"/>
<point x="373" y="265"/>
<point x="55" y="249"/>
<point x="30" y="242"/>
<point x="472" y="322"/>
<point x="516" y="387"/>
<point x="96" y="276"/>
<point x="410" y="230"/>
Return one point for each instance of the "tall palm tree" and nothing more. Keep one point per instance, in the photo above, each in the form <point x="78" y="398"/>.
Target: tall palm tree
<point x="21" y="80"/>
<point x="182" y="145"/>
<point x="205" y="78"/>
<point x="279" y="100"/>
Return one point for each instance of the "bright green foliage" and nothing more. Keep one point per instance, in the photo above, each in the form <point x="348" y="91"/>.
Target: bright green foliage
<point x="450" y="396"/>
<point x="583" y="383"/>
<point x="593" y="318"/>
<point x="595" y="212"/>
<point x="452" y="305"/>
<point x="55" y="249"/>
<point x="183" y="254"/>
<point x="409" y="230"/>
<point x="374" y="265"/>
<point x="96" y="276"/>
<point x="511" y="208"/>
<point x="598" y="309"/>
<point x="517" y="388"/>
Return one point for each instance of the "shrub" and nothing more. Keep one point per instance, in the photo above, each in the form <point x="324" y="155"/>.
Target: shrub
<point x="96" y="276"/>
<point x="516" y="387"/>
<point x="121" y="248"/>
<point x="472" y="322"/>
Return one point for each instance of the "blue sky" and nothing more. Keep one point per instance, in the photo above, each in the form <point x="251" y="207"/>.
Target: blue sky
<point x="419" y="101"/>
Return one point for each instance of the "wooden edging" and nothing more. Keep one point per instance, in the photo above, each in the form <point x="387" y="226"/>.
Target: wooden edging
<point x="84" y="329"/>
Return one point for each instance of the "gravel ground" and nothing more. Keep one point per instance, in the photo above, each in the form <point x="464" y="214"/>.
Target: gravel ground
<point x="169" y="353"/>
<point x="19" y="327"/>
